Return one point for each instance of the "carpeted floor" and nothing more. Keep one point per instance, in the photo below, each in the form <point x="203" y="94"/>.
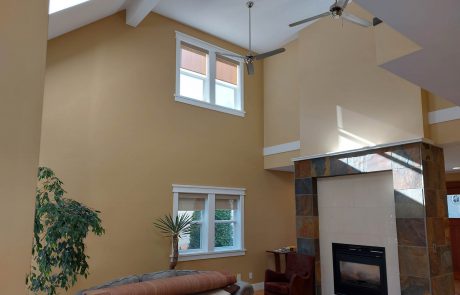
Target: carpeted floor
<point x="261" y="292"/>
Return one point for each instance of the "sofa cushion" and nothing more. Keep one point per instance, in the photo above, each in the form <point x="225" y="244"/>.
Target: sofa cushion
<point x="178" y="285"/>
<point x="114" y="283"/>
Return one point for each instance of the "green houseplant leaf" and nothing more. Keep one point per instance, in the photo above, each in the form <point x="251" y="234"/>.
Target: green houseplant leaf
<point x="174" y="228"/>
<point x="60" y="228"/>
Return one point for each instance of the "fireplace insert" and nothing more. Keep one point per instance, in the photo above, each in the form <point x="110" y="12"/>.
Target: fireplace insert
<point x="359" y="270"/>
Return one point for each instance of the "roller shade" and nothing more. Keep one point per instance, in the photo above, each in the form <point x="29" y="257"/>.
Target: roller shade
<point x="224" y="202"/>
<point x="193" y="58"/>
<point x="191" y="202"/>
<point x="226" y="70"/>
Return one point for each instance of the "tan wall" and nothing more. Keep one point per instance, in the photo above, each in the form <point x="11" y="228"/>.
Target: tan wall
<point x="339" y="77"/>
<point x="438" y="103"/>
<point x="390" y="44"/>
<point x="23" y="30"/>
<point x="281" y="97"/>
<point x="113" y="132"/>
<point x="453" y="176"/>
<point x="445" y="132"/>
<point x="281" y="160"/>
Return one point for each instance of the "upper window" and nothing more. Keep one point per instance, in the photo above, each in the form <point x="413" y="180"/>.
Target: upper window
<point x="206" y="78"/>
<point x="217" y="226"/>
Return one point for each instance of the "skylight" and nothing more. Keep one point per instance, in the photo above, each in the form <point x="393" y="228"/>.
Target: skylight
<point x="58" y="5"/>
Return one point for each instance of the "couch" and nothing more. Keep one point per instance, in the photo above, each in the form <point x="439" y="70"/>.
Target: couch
<point x="171" y="282"/>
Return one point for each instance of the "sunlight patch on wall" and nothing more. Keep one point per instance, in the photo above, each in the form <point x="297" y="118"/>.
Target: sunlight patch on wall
<point x="348" y="140"/>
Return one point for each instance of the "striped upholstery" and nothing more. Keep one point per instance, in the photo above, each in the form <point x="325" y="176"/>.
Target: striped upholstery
<point x="181" y="285"/>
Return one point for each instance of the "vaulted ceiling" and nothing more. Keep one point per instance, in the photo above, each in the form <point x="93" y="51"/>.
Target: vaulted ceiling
<point x="226" y="19"/>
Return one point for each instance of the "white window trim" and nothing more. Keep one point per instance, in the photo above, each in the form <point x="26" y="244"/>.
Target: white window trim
<point x="212" y="50"/>
<point x="209" y="251"/>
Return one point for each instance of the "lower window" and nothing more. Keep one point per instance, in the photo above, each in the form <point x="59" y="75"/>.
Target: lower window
<point x="217" y="226"/>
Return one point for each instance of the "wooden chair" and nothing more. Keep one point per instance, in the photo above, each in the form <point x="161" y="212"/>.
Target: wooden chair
<point x="298" y="279"/>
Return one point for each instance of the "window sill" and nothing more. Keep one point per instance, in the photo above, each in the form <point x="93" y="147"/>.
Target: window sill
<point x="211" y="255"/>
<point x="209" y="106"/>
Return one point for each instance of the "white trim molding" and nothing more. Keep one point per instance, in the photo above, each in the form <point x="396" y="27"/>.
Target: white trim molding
<point x="207" y="221"/>
<point x="369" y="148"/>
<point x="210" y="255"/>
<point x="444" y="115"/>
<point x="207" y="105"/>
<point x="282" y="148"/>
<point x="209" y="80"/>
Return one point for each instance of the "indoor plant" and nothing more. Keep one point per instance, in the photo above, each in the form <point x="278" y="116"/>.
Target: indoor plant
<point x="174" y="228"/>
<point x="60" y="227"/>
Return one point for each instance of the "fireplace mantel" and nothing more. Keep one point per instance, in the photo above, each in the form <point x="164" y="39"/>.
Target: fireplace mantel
<point x="424" y="249"/>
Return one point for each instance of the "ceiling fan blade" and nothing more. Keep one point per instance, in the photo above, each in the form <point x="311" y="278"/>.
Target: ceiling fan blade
<point x="268" y="54"/>
<point x="356" y="20"/>
<point x="310" y="19"/>
<point x="343" y="3"/>
<point x="230" y="55"/>
<point x="250" y="68"/>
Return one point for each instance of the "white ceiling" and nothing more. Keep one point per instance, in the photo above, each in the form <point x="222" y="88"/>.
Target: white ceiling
<point x="435" y="26"/>
<point x="227" y="19"/>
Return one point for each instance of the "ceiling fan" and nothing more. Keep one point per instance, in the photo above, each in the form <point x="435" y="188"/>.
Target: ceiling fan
<point x="250" y="57"/>
<point x="337" y="11"/>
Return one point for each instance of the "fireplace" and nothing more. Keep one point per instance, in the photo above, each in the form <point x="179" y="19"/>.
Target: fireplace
<point x="359" y="270"/>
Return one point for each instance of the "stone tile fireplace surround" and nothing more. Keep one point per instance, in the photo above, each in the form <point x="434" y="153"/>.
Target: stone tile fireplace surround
<point x="424" y="251"/>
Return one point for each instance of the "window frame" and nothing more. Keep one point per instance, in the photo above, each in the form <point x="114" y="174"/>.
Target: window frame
<point x="211" y="80"/>
<point x="208" y="249"/>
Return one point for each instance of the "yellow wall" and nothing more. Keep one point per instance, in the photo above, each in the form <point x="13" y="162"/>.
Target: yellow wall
<point x="23" y="31"/>
<point x="113" y="132"/>
<point x="390" y="44"/>
<point x="444" y="132"/>
<point x="453" y="176"/>
<point x="281" y="97"/>
<point x="346" y="100"/>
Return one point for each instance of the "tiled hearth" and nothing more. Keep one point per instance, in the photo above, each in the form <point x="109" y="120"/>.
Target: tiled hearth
<point x="424" y="251"/>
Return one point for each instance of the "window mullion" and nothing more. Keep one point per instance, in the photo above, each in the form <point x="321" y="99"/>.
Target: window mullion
<point x="212" y="77"/>
<point x="211" y="225"/>
<point x="239" y="225"/>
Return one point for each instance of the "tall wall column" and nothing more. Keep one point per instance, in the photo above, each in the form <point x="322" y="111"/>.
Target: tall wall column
<point x="23" y="38"/>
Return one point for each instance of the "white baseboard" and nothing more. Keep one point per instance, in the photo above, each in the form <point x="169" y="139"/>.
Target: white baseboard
<point x="258" y="286"/>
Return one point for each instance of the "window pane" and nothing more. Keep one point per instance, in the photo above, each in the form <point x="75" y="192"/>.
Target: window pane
<point x="193" y="58"/>
<point x="226" y="207"/>
<point x="453" y="204"/>
<point x="224" y="235"/>
<point x="192" y="87"/>
<point x="191" y="241"/>
<point x="226" y="70"/>
<point x="192" y="205"/>
<point x="225" y="96"/>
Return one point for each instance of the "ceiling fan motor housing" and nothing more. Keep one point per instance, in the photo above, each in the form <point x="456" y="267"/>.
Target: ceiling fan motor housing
<point x="336" y="11"/>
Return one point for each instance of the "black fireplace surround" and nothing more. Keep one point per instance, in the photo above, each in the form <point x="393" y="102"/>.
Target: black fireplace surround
<point x="359" y="270"/>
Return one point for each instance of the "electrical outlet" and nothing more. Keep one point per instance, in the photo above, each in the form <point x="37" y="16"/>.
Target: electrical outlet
<point x="250" y="275"/>
<point x="238" y="277"/>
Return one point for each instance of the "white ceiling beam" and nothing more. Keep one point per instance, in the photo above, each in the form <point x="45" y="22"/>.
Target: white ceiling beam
<point x="137" y="10"/>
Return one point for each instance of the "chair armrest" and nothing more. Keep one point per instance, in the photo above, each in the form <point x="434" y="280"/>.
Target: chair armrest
<point x="302" y="285"/>
<point x="273" y="276"/>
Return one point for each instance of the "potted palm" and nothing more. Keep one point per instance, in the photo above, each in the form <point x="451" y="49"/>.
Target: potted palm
<point x="174" y="228"/>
